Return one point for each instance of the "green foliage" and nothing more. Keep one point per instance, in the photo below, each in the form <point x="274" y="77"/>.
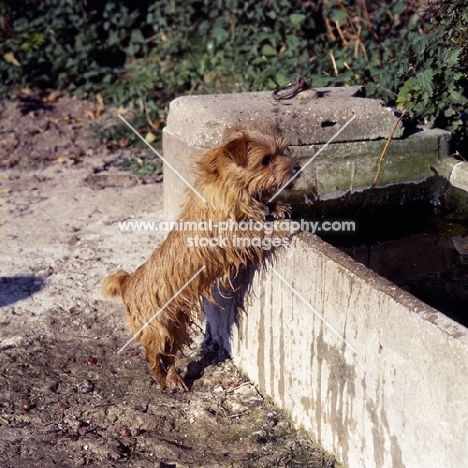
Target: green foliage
<point x="142" y="54"/>
<point x="433" y="85"/>
<point x="60" y="44"/>
<point x="144" y="166"/>
<point x="432" y="76"/>
<point x="32" y="43"/>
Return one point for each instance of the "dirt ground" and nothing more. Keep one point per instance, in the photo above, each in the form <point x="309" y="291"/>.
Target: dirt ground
<point x="67" y="398"/>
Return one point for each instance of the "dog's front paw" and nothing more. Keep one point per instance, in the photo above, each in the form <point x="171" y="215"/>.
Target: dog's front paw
<point x="281" y="210"/>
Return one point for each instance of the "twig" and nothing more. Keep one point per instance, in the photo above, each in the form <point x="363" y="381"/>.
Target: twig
<point x="366" y="15"/>
<point x="388" y="90"/>
<point x="333" y="62"/>
<point x="386" y="146"/>
<point x="381" y="160"/>
<point x="329" y="30"/>
<point x="340" y="32"/>
<point x="148" y="118"/>
<point x="238" y="386"/>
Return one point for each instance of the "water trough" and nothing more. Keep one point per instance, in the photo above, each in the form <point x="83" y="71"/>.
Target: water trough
<point x="375" y="375"/>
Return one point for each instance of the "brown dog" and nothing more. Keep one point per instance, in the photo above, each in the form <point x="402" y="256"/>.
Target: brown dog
<point x="236" y="179"/>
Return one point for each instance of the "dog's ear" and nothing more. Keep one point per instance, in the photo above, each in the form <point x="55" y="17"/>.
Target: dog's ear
<point x="236" y="149"/>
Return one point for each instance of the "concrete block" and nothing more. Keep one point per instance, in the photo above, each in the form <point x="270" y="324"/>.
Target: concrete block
<point x="196" y="123"/>
<point x="352" y="166"/>
<point x="201" y="120"/>
<point x="459" y="176"/>
<point x="377" y="376"/>
<point x="182" y="157"/>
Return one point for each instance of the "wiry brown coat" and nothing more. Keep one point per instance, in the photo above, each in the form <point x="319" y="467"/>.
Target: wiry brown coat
<point x="236" y="179"/>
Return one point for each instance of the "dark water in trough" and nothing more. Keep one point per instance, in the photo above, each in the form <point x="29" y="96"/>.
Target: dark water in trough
<point x="420" y="251"/>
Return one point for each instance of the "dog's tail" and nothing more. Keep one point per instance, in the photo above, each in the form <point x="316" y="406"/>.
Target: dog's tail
<point x="112" y="286"/>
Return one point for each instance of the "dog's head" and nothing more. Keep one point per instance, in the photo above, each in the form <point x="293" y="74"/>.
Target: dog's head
<point x="253" y="159"/>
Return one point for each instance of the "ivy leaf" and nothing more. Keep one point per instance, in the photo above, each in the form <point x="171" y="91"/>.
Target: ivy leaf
<point x="137" y="36"/>
<point x="296" y="19"/>
<point x="398" y="8"/>
<point x="339" y="16"/>
<point x="449" y="112"/>
<point x="407" y="86"/>
<point x="268" y="50"/>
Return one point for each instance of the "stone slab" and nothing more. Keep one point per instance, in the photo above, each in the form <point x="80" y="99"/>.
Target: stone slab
<point x="306" y="119"/>
<point x="377" y="376"/>
<point x="348" y="167"/>
<point x="459" y="176"/>
<point x="339" y="168"/>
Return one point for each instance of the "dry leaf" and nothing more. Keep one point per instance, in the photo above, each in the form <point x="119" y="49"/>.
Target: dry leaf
<point x="54" y="96"/>
<point x="156" y="123"/>
<point x="10" y="58"/>
<point x="92" y="114"/>
<point x="150" y="137"/>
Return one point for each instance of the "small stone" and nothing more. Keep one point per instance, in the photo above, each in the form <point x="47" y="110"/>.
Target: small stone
<point x="83" y="430"/>
<point x="260" y="437"/>
<point x="125" y="432"/>
<point x="85" y="387"/>
<point x="135" y="432"/>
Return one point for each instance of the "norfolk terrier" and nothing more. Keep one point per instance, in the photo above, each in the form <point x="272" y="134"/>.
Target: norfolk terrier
<point x="165" y="294"/>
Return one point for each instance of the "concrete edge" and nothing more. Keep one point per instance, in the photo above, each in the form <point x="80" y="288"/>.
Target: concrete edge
<point x="428" y="313"/>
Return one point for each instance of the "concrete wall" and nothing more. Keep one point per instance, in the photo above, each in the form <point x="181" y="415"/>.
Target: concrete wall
<point x="375" y="375"/>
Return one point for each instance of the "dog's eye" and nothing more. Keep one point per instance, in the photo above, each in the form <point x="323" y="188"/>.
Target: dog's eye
<point x="266" y="160"/>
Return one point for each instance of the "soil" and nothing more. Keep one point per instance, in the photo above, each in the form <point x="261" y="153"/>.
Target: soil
<point x="67" y="398"/>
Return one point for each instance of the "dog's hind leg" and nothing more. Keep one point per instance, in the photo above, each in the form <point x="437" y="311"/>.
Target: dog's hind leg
<point x="161" y="351"/>
<point x="153" y="356"/>
<point x="179" y="338"/>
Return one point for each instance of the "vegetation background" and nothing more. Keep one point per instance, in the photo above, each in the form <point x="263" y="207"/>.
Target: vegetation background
<point x="143" y="53"/>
